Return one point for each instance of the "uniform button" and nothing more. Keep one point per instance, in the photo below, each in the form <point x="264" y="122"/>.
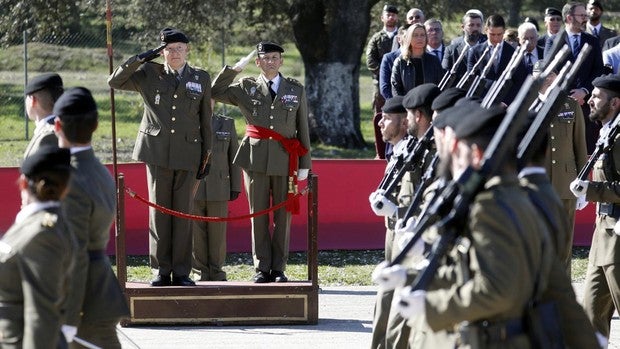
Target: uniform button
<point x="270" y="137"/>
<point x="174" y="96"/>
<point x="552" y="149"/>
<point x="552" y="137"/>
<point x="553" y="161"/>
<point x="174" y="119"/>
<point x="272" y="107"/>
<point x="551" y="125"/>
<point x="171" y="131"/>
<point x="271" y="117"/>
<point x="271" y="127"/>
<point x="195" y="140"/>
<point x="569" y="122"/>
<point x="174" y="107"/>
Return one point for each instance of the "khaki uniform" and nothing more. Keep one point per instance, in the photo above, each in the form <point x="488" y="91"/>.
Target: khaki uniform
<point x="174" y="137"/>
<point x="35" y="255"/>
<point x="566" y="156"/>
<point x="96" y="302"/>
<point x="43" y="134"/>
<point x="212" y="200"/>
<point x="265" y="161"/>
<point x="602" y="289"/>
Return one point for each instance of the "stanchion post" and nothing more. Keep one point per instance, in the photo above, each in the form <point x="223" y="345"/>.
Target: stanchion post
<point x="313" y="215"/>
<point x="121" y="258"/>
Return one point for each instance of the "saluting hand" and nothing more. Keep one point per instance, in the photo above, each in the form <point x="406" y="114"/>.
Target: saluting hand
<point x="244" y="61"/>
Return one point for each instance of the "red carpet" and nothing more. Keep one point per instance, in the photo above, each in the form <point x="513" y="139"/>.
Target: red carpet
<point x="345" y="218"/>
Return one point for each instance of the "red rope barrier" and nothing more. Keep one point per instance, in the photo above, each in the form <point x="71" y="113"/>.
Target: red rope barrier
<point x="212" y="219"/>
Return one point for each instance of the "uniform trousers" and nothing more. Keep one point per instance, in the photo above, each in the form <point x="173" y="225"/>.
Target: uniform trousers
<point x="602" y="295"/>
<point x="100" y="333"/>
<point x="569" y="207"/>
<point x="210" y="240"/>
<point x="170" y="238"/>
<point x="269" y="251"/>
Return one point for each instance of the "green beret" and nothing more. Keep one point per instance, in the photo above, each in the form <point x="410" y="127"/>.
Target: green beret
<point x="268" y="46"/>
<point x="50" y="81"/>
<point x="46" y="158"/>
<point x="394" y="105"/>
<point x="75" y="101"/>
<point x="447" y="98"/>
<point x="422" y="95"/>
<point x="609" y="82"/>
<point x="170" y="35"/>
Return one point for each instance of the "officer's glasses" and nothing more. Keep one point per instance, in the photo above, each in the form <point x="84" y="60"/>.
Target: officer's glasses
<point x="179" y="49"/>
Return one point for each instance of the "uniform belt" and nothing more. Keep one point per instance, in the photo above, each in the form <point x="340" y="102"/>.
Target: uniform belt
<point x="611" y="210"/>
<point x="499" y="331"/>
<point x="95" y="255"/>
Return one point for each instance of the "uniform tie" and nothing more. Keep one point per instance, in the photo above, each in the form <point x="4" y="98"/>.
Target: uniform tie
<point x="575" y="45"/>
<point x="528" y="62"/>
<point x="271" y="91"/>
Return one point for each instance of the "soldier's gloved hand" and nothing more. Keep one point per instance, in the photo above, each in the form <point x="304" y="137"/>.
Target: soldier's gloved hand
<point x="203" y="171"/>
<point x="151" y="54"/>
<point x="302" y="174"/>
<point x="234" y="195"/>
<point x="579" y="187"/>
<point x="69" y="332"/>
<point x="602" y="340"/>
<point x="410" y="304"/>
<point x="407" y="227"/>
<point x="244" y="61"/>
<point x="381" y="205"/>
<point x="581" y="203"/>
<point x="416" y="250"/>
<point x="388" y="278"/>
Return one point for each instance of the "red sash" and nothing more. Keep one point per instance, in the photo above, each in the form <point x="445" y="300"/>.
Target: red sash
<point x="294" y="148"/>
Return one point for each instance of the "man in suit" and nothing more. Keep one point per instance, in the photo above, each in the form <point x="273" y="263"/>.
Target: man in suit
<point x="575" y="16"/>
<point x="594" y="25"/>
<point x="223" y="184"/>
<point x="41" y="92"/>
<point x="533" y="52"/>
<point x="472" y="35"/>
<point x="95" y="303"/>
<point x="434" y="37"/>
<point x="553" y="24"/>
<point x="174" y="140"/>
<point x="602" y="289"/>
<point x="274" y="154"/>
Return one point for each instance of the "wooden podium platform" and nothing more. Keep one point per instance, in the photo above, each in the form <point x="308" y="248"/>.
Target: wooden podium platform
<point x="223" y="303"/>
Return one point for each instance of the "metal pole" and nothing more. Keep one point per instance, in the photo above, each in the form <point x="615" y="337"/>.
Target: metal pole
<point x="25" y="36"/>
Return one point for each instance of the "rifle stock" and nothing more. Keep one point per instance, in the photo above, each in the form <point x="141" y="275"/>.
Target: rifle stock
<point x="467" y="79"/>
<point x="501" y="86"/>
<point x="448" y="79"/>
<point x="475" y="89"/>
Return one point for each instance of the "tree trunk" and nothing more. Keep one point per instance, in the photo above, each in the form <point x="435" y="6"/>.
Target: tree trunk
<point x="330" y="36"/>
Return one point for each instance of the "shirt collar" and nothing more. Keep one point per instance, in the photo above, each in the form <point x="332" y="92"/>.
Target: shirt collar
<point x="530" y="170"/>
<point x="34" y="207"/>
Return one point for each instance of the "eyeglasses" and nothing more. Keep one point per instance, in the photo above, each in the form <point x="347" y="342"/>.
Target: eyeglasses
<point x="581" y="15"/>
<point x="555" y="19"/>
<point x="414" y="17"/>
<point x="175" y="49"/>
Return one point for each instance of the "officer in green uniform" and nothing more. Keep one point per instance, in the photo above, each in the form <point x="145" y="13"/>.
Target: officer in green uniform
<point x="274" y="154"/>
<point x="41" y="92"/>
<point x="602" y="289"/>
<point x="223" y="184"/>
<point x="174" y="141"/>
<point x="96" y="303"/>
<point x="35" y="255"/>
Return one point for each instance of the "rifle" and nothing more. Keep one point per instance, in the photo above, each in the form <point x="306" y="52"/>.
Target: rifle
<point x="560" y="56"/>
<point x="556" y="94"/>
<point x="602" y="145"/>
<point x="476" y="89"/>
<point x="448" y="78"/>
<point x="394" y="166"/>
<point x="468" y="78"/>
<point x="418" y="195"/>
<point x="501" y="86"/>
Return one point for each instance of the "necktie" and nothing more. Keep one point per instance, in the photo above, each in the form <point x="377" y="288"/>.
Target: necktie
<point x="595" y="31"/>
<point x="575" y="45"/>
<point x="436" y="53"/>
<point x="528" y="62"/>
<point x="177" y="76"/>
<point x="271" y="91"/>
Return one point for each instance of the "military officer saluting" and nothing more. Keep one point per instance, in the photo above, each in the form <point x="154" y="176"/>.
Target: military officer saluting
<point x="35" y="254"/>
<point x="274" y="154"/>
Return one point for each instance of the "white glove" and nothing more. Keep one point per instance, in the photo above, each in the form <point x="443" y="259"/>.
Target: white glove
<point x="602" y="340"/>
<point x="244" y="61"/>
<point x="411" y="304"/>
<point x="381" y="205"/>
<point x="405" y="228"/>
<point x="581" y="203"/>
<point x="617" y="228"/>
<point x="579" y="187"/>
<point x="388" y="278"/>
<point x="69" y="332"/>
<point x="416" y="250"/>
<point x="302" y="174"/>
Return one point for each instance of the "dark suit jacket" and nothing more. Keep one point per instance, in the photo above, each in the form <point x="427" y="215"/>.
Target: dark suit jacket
<point x="452" y="53"/>
<point x="604" y="34"/>
<point x="385" y="73"/>
<point x="591" y="67"/>
<point x="403" y="73"/>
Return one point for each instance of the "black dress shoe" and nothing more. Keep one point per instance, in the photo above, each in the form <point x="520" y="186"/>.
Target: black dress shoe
<point x="278" y="276"/>
<point x="161" y="280"/>
<point x="182" y="281"/>
<point x="261" y="277"/>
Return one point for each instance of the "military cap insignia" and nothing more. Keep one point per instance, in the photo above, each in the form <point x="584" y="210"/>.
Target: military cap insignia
<point x="49" y="220"/>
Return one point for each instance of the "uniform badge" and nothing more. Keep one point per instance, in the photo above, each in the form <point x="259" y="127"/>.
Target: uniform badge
<point x="252" y="91"/>
<point x="196" y="77"/>
<point x="193" y="87"/>
<point x="157" y="99"/>
<point x="289" y="101"/>
<point x="49" y="220"/>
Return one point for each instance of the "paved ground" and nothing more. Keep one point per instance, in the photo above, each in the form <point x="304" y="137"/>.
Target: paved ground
<point x="345" y="321"/>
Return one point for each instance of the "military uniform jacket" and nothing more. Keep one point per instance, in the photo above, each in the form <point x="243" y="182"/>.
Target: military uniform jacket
<point x="502" y="274"/>
<point x="286" y="115"/>
<point x="223" y="177"/>
<point x="403" y="73"/>
<point x="43" y="135"/>
<point x="604" y="188"/>
<point x="175" y="131"/>
<point x="379" y="44"/>
<point x="566" y="152"/>
<point x="35" y="254"/>
<point x="90" y="207"/>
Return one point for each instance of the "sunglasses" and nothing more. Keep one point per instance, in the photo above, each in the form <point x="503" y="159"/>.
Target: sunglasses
<point x="414" y="17"/>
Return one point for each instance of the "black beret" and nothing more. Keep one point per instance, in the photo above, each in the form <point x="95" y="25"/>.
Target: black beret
<point x="40" y="82"/>
<point x="552" y="11"/>
<point x="447" y="98"/>
<point x="75" y="101"/>
<point x="394" y="105"/>
<point x="476" y="120"/>
<point x="610" y="82"/>
<point x="169" y="35"/>
<point x="390" y="8"/>
<point x="420" y="96"/>
<point x="268" y="46"/>
<point x="46" y="158"/>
